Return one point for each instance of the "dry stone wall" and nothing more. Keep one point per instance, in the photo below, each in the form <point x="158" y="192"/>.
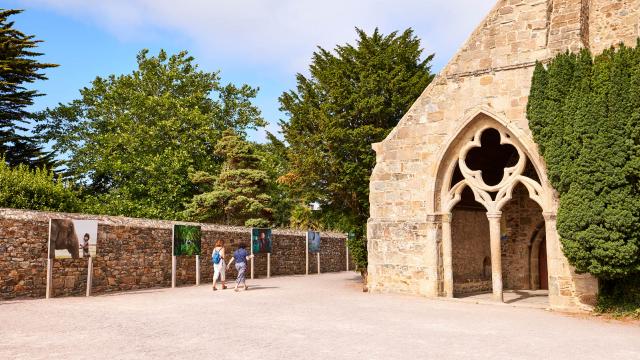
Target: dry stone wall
<point x="136" y="254"/>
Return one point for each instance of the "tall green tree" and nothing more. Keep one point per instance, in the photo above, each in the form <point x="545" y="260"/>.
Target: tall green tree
<point x="275" y="163"/>
<point x="353" y="97"/>
<point x="132" y="139"/>
<point x="238" y="194"/>
<point x="18" y="67"/>
<point x="584" y="113"/>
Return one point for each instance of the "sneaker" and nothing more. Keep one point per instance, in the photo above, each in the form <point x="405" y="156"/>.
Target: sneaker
<point x="214" y="289"/>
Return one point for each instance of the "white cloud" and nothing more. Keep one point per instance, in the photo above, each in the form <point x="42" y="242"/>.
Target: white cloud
<point x="278" y="34"/>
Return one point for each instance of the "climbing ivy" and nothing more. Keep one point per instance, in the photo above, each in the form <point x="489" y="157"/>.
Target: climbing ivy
<point x="584" y="113"/>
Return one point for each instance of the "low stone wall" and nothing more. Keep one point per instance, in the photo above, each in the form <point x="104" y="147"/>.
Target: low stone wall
<point x="136" y="254"/>
<point x="471" y="287"/>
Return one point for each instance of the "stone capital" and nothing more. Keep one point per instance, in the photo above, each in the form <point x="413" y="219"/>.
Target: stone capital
<point x="494" y="215"/>
<point x="550" y="216"/>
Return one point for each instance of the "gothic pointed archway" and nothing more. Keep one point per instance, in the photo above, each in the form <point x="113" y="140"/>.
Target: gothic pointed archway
<point x="488" y="160"/>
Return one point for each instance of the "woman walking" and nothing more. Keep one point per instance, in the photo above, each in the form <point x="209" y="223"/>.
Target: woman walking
<point x="217" y="257"/>
<point x="240" y="256"/>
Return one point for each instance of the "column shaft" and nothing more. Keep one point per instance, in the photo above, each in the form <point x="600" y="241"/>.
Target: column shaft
<point x="447" y="255"/>
<point x="496" y="255"/>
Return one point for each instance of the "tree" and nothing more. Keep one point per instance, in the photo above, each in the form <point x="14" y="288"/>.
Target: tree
<point x="132" y="139"/>
<point x="237" y="196"/>
<point x="18" y="68"/>
<point x="35" y="189"/>
<point x="353" y="97"/>
<point x="585" y="114"/>
<point x="275" y="163"/>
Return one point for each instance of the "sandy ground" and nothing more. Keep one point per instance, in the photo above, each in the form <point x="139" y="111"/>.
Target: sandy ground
<point x="313" y="317"/>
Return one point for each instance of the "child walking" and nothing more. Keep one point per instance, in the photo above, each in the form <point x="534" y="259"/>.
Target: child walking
<point x="240" y="256"/>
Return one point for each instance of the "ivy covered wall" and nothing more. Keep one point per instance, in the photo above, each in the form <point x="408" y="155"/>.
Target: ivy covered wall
<point x="584" y="113"/>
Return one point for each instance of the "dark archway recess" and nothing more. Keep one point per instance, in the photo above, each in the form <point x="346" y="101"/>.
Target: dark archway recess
<point x="543" y="272"/>
<point x="492" y="157"/>
<point x="471" y="255"/>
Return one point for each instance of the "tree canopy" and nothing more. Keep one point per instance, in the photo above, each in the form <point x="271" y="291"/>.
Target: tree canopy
<point x="131" y="140"/>
<point x="237" y="195"/>
<point x="353" y="97"/>
<point x="18" y="67"/>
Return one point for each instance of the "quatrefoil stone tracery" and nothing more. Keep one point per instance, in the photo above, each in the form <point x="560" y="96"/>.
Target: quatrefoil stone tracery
<point x="482" y="191"/>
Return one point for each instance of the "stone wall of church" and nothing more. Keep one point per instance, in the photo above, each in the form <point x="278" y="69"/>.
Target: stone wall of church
<point x="521" y="216"/>
<point x="612" y="22"/>
<point x="470" y="240"/>
<point x="471" y="258"/>
<point x="489" y="77"/>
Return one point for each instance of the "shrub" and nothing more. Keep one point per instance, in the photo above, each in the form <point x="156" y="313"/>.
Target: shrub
<point x="39" y="189"/>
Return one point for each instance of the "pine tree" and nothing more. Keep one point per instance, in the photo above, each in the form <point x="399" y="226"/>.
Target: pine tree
<point x="238" y="195"/>
<point x="355" y="95"/>
<point x="18" y="68"/>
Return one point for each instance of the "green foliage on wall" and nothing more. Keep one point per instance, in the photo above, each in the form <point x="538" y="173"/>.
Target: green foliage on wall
<point x="35" y="189"/>
<point x="584" y="113"/>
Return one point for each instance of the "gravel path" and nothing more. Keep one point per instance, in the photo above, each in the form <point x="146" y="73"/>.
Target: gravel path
<point x="313" y="317"/>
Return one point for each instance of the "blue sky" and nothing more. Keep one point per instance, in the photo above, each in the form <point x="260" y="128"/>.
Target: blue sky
<point x="263" y="43"/>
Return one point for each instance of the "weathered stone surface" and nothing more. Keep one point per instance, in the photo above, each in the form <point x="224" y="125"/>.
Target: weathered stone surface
<point x="136" y="254"/>
<point x="488" y="80"/>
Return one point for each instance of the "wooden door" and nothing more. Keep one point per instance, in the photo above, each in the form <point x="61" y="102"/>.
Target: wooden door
<point x="542" y="266"/>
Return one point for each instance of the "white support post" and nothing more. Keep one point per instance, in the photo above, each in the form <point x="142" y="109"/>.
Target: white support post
<point x="268" y="265"/>
<point x="306" y="251"/>
<point x="318" y="262"/>
<point x="346" y="243"/>
<point x="173" y="271"/>
<point x="251" y="246"/>
<point x="50" y="257"/>
<point x="197" y="270"/>
<point x="89" y="275"/>
<point x="49" y="278"/>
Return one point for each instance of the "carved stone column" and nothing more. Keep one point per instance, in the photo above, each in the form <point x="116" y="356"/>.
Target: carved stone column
<point x="496" y="255"/>
<point x="432" y="253"/>
<point x="447" y="255"/>
<point x="554" y="265"/>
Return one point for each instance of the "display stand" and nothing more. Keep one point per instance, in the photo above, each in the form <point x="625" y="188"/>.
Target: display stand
<point x="197" y="270"/>
<point x="89" y="275"/>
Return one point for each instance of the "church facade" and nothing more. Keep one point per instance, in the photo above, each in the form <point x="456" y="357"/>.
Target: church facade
<point x="460" y="200"/>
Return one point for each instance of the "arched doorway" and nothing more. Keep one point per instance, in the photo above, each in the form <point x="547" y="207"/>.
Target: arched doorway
<point x="487" y="161"/>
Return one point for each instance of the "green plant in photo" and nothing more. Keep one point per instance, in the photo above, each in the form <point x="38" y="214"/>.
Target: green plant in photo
<point x="187" y="240"/>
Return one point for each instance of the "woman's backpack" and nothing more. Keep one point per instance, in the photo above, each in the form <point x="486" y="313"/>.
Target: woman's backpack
<point x="215" y="258"/>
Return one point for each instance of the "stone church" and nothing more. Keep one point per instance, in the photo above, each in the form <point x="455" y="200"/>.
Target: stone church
<point x="460" y="200"/>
